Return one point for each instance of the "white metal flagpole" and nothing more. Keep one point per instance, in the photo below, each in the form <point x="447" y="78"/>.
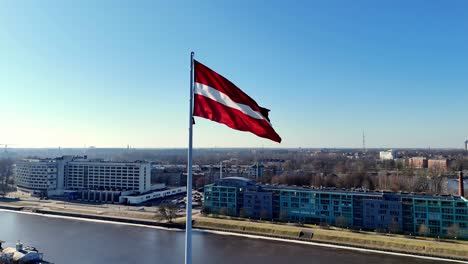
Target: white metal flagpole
<point x="188" y="224"/>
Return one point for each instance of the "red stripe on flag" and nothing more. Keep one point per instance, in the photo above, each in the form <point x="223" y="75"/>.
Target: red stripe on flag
<point x="233" y="118"/>
<point x="207" y="76"/>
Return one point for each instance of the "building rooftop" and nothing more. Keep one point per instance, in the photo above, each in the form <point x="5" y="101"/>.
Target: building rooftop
<point x="375" y="193"/>
<point x="78" y="159"/>
<point x="363" y="191"/>
<point x="237" y="178"/>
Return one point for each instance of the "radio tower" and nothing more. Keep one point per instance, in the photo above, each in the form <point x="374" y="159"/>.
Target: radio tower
<point x="364" y="142"/>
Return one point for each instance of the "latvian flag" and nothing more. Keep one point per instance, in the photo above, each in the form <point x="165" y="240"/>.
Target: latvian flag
<point x="218" y="99"/>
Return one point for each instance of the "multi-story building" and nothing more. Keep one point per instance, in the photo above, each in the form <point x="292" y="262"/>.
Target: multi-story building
<point x="255" y="171"/>
<point x="438" y="164"/>
<point x="417" y="162"/>
<point x="257" y="204"/>
<point x="394" y="212"/>
<point x="226" y="195"/>
<point x="387" y="155"/>
<point x="55" y="176"/>
<point x="83" y="174"/>
<point x="383" y="215"/>
<point x="39" y="176"/>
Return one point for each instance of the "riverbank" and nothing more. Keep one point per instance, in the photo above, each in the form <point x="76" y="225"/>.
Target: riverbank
<point x="446" y="249"/>
<point x="449" y="249"/>
<point x="98" y="241"/>
<point x="97" y="216"/>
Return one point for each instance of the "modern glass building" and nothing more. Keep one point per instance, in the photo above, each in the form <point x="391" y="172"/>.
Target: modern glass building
<point x="237" y="196"/>
<point x="385" y="211"/>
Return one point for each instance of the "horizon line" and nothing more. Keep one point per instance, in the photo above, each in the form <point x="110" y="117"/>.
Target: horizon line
<point x="148" y="148"/>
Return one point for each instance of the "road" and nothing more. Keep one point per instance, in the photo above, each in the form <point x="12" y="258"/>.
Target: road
<point x="149" y="211"/>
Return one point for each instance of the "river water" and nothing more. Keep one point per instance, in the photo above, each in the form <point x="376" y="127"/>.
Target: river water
<point x="77" y="241"/>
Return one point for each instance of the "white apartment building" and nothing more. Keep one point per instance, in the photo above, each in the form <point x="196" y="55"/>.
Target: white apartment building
<point x="109" y="176"/>
<point x="387" y="155"/>
<point x="55" y="176"/>
<point x="33" y="175"/>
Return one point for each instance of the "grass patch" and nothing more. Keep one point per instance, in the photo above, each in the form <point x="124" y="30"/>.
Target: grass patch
<point x="396" y="243"/>
<point x="248" y="227"/>
<point x="387" y="243"/>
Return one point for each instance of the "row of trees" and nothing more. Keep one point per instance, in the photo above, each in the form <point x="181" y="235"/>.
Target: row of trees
<point x="6" y="176"/>
<point x="453" y="231"/>
<point x="340" y="172"/>
<point x="408" y="181"/>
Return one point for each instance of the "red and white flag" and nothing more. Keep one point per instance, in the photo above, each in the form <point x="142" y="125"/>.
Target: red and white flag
<point x="218" y="99"/>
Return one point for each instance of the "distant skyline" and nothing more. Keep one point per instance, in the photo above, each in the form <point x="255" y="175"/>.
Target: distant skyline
<point x="112" y="73"/>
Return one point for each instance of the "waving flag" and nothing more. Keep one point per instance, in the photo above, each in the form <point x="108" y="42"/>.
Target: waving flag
<point x="218" y="99"/>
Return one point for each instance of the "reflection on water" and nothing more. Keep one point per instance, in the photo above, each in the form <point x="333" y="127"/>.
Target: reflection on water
<point x="452" y="186"/>
<point x="75" y="241"/>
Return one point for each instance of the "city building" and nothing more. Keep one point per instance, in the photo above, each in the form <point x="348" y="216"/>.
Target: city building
<point x="361" y="209"/>
<point x="171" y="175"/>
<point x="387" y="155"/>
<point x="256" y="171"/>
<point x="157" y="191"/>
<point x="383" y="215"/>
<point x="438" y="164"/>
<point x="226" y="195"/>
<point x="39" y="176"/>
<point x="89" y="180"/>
<point x="84" y="174"/>
<point x="257" y="204"/>
<point x="417" y="162"/>
<point x="278" y="163"/>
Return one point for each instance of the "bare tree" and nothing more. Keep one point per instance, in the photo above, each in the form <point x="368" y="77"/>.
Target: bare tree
<point x="437" y="184"/>
<point x="223" y="211"/>
<point x="200" y="182"/>
<point x="243" y="212"/>
<point x="6" y="172"/>
<point x="204" y="210"/>
<point x="423" y="230"/>
<point x="453" y="231"/>
<point x="162" y="213"/>
<point x="168" y="212"/>
<point x="340" y="221"/>
<point x="394" y="227"/>
<point x="283" y="215"/>
<point x="264" y="214"/>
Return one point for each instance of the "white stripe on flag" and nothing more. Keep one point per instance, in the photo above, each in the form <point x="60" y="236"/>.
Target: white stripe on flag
<point x="223" y="99"/>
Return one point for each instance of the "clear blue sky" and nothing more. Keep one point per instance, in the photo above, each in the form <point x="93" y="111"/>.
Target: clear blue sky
<point x="112" y="73"/>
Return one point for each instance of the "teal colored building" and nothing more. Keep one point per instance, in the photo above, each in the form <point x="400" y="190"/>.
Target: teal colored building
<point x="432" y="215"/>
<point x="441" y="216"/>
<point x="226" y="195"/>
<point x="218" y="199"/>
<point x="305" y="206"/>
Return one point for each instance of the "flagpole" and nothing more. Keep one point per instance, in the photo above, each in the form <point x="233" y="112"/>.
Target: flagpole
<point x="188" y="222"/>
